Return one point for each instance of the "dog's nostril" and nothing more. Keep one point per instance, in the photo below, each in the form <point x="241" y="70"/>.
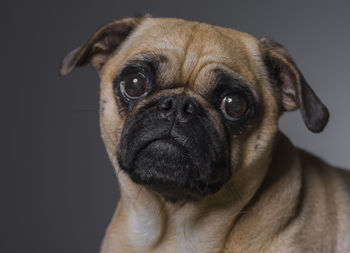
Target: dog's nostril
<point x="190" y="108"/>
<point x="166" y="105"/>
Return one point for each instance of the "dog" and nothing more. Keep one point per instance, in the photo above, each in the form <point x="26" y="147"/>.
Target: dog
<point x="189" y="118"/>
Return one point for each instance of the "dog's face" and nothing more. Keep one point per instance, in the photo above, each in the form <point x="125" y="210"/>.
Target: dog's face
<point x="186" y="106"/>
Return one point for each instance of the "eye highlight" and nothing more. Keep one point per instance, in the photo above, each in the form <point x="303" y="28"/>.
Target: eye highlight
<point x="134" y="85"/>
<point x="234" y="106"/>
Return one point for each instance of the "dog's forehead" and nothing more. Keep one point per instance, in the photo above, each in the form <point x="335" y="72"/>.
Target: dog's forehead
<point x="193" y="48"/>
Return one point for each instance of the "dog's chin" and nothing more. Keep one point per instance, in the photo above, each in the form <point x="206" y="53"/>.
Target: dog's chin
<point x="167" y="168"/>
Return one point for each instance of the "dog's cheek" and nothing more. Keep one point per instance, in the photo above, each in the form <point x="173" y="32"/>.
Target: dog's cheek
<point x="259" y="140"/>
<point x="243" y="144"/>
<point x="111" y="124"/>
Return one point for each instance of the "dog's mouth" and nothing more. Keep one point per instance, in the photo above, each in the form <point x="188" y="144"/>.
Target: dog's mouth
<point x="169" y="168"/>
<point x="164" y="149"/>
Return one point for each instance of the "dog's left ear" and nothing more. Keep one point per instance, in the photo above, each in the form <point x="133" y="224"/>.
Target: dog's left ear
<point x="101" y="45"/>
<point x="293" y="89"/>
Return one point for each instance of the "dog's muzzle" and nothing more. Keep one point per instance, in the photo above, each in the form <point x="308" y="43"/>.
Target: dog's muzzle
<point x="172" y="147"/>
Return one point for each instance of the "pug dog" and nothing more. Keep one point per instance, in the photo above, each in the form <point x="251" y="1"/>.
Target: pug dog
<point x="189" y="117"/>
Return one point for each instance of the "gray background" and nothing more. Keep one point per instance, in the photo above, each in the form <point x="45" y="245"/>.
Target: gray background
<point x="58" y="190"/>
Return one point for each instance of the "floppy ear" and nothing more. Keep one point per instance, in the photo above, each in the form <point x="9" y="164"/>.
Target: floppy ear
<point x="101" y="45"/>
<point x="292" y="87"/>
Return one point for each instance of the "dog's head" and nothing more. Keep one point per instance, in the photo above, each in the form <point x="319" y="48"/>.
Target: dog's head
<point x="185" y="106"/>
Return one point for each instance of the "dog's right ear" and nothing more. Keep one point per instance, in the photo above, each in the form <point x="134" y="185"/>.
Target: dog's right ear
<point x="101" y="45"/>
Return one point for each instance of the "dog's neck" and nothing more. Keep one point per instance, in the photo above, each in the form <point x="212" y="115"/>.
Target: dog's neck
<point x="150" y="223"/>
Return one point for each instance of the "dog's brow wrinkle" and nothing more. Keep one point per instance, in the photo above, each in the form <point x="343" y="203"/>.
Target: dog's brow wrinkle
<point x="190" y="59"/>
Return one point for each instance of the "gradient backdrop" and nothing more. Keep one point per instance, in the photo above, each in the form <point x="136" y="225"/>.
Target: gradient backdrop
<point x="57" y="186"/>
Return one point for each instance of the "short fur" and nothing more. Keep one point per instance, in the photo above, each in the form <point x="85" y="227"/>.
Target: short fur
<point x="278" y="199"/>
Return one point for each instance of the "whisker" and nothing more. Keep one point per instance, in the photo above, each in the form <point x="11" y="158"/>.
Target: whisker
<point x="118" y="172"/>
<point x="160" y="210"/>
<point x="235" y="192"/>
<point x="227" y="249"/>
<point x="84" y="110"/>
<point x="138" y="193"/>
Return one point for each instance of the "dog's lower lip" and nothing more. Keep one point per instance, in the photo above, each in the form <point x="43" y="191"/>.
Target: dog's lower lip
<point x="165" y="139"/>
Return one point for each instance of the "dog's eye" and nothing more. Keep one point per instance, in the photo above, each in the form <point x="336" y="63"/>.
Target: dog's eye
<point x="233" y="106"/>
<point x="134" y="85"/>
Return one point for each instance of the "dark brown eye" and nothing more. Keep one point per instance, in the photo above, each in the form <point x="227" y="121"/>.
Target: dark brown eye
<point x="134" y="85"/>
<point x="233" y="106"/>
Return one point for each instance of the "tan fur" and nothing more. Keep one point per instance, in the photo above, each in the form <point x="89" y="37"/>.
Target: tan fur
<point x="279" y="199"/>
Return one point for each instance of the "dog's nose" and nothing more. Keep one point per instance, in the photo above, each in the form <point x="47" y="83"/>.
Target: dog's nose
<point x="183" y="108"/>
